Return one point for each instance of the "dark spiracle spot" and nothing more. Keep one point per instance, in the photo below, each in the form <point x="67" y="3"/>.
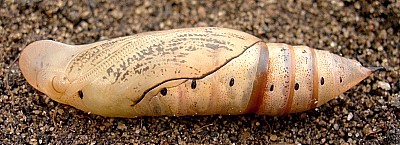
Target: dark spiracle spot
<point x="163" y="91"/>
<point x="231" y="82"/>
<point x="193" y="85"/>
<point x="80" y="93"/>
<point x="340" y="79"/>
<point x="271" y="88"/>
<point x="296" y="86"/>
<point x="322" y="81"/>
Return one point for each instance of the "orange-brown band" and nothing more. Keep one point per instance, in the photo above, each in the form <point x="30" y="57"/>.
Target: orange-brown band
<point x="260" y="81"/>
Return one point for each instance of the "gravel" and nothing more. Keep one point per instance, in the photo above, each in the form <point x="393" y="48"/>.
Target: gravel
<point x="367" y="31"/>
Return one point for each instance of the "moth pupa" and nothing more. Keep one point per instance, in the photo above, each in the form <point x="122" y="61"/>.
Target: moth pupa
<point x="189" y="71"/>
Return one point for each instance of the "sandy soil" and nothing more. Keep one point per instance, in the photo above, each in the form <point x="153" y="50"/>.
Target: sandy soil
<point x="367" y="31"/>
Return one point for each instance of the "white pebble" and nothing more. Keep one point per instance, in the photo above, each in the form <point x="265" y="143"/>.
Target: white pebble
<point x="333" y="44"/>
<point x="384" y="85"/>
<point x="350" y="116"/>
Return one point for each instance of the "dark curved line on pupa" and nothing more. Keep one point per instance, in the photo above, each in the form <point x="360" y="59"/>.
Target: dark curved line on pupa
<point x="201" y="77"/>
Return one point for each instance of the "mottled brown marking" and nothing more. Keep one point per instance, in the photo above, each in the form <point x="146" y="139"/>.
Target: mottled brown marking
<point x="206" y="74"/>
<point x="292" y="74"/>
<point x="314" y="97"/>
<point x="94" y="54"/>
<point x="260" y="81"/>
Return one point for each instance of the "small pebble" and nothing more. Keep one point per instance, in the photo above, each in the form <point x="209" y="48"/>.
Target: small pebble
<point x="380" y="48"/>
<point x="273" y="137"/>
<point x="117" y="14"/>
<point x="384" y="85"/>
<point x="121" y="126"/>
<point x="394" y="100"/>
<point x="336" y="126"/>
<point x="349" y="116"/>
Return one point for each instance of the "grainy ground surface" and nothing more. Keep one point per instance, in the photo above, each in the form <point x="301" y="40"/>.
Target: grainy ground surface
<point x="367" y="31"/>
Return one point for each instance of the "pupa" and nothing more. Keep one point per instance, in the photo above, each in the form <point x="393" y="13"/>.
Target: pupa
<point x="188" y="71"/>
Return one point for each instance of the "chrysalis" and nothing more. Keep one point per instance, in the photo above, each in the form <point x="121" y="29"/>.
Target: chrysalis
<point x="191" y="71"/>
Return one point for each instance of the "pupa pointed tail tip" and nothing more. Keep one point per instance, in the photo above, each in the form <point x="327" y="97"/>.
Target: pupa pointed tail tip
<point x="375" y="69"/>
